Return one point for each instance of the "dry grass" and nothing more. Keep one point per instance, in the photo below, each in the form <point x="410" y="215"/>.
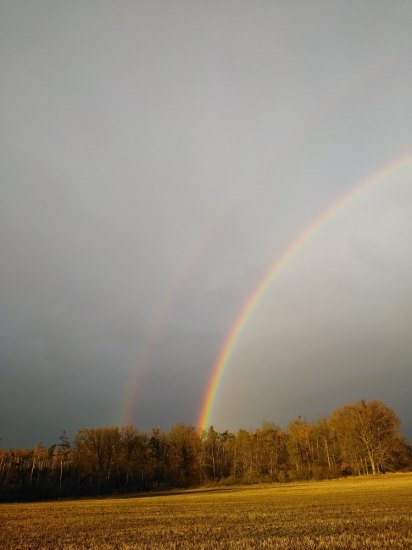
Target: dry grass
<point x="346" y="513"/>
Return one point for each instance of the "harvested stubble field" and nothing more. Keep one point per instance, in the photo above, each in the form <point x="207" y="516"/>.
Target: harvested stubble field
<point x="345" y="513"/>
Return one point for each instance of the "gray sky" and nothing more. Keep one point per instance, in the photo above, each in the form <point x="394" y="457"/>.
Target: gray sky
<point x="155" y="160"/>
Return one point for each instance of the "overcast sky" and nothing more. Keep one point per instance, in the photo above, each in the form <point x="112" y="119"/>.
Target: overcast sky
<point x="155" y="160"/>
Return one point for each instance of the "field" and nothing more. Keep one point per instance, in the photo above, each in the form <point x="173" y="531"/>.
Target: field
<point x="346" y="513"/>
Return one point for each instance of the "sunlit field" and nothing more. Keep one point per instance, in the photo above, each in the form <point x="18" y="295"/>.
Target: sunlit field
<point x="345" y="513"/>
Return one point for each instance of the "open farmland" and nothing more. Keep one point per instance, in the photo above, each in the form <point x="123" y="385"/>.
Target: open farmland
<point x="344" y="513"/>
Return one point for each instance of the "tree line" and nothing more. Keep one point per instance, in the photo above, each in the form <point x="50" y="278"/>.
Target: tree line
<point x="357" y="439"/>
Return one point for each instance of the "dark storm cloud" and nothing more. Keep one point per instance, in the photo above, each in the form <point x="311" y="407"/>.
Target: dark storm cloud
<point x="155" y="160"/>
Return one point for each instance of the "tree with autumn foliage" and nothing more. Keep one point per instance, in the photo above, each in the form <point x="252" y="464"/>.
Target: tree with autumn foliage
<point x="368" y="435"/>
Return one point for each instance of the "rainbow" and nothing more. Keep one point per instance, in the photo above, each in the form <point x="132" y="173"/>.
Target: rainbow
<point x="254" y="299"/>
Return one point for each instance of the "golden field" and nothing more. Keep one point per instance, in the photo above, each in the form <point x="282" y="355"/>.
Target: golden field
<point x="372" y="512"/>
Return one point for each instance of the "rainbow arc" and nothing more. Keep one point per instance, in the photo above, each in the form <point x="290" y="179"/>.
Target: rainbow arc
<point x="252" y="302"/>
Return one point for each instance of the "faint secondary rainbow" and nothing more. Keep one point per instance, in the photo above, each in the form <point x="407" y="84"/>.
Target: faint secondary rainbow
<point x="253" y="300"/>
<point x="164" y="312"/>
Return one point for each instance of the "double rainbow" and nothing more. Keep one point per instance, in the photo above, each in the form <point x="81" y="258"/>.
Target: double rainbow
<point x="163" y="314"/>
<point x="254" y="299"/>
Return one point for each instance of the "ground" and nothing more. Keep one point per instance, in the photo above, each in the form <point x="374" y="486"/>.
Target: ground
<point x="371" y="512"/>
